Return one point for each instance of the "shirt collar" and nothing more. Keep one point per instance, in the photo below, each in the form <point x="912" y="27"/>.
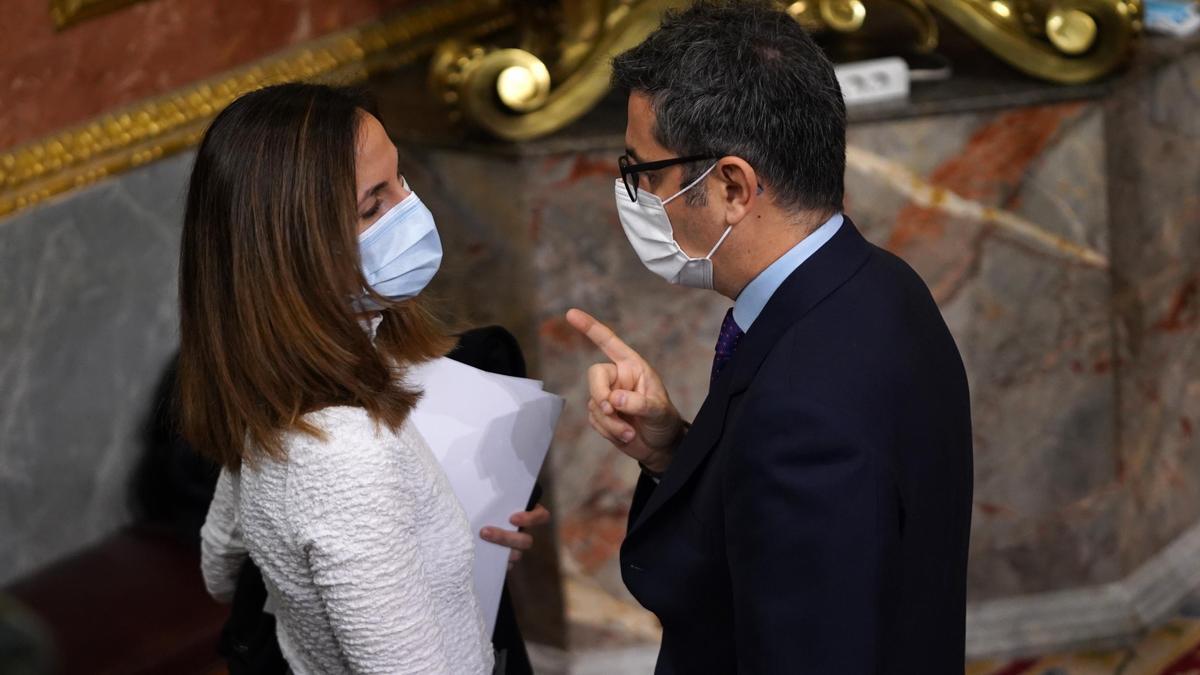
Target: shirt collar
<point x="757" y="293"/>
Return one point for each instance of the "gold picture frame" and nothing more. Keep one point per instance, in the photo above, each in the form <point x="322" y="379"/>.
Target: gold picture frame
<point x="67" y="13"/>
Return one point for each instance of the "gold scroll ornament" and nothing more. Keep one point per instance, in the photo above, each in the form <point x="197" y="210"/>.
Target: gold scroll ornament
<point x="1066" y="41"/>
<point x="561" y="68"/>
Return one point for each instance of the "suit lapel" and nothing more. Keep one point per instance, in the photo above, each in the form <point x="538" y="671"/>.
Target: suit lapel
<point x="830" y="267"/>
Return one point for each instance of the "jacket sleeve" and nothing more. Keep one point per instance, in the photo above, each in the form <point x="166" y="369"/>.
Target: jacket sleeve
<point x="222" y="550"/>
<point x="802" y="542"/>
<point x="641" y="495"/>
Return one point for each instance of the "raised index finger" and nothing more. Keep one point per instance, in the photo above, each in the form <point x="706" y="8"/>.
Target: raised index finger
<point x="602" y="336"/>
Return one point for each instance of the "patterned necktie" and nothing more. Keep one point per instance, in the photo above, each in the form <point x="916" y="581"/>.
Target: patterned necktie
<point x="727" y="344"/>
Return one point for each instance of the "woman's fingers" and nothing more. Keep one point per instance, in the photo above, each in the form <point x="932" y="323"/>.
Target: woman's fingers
<point x="535" y="517"/>
<point x="518" y="541"/>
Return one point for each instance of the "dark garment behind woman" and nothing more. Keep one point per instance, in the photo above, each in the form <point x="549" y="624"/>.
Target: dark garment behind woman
<point x="175" y="485"/>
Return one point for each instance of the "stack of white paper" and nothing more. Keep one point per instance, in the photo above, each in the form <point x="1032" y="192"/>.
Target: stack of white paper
<point x="490" y="433"/>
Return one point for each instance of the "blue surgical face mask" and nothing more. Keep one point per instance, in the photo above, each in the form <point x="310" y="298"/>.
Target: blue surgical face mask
<point x="400" y="252"/>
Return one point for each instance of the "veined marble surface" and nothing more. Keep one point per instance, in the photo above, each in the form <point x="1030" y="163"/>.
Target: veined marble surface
<point x="88" y="291"/>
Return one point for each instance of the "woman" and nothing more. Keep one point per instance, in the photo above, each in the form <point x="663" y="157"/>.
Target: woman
<point x="303" y="252"/>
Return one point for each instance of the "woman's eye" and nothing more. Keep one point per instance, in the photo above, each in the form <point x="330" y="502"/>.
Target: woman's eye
<point x="370" y="214"/>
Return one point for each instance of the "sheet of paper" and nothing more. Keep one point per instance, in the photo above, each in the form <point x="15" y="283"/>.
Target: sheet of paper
<point x="490" y="433"/>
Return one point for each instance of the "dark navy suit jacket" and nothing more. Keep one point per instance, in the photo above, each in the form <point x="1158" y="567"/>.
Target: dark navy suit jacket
<point x="815" y="518"/>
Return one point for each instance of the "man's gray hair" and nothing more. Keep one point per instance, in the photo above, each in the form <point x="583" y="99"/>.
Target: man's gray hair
<point x="744" y="79"/>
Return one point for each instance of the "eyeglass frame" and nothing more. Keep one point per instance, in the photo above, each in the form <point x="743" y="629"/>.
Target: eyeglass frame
<point x="628" y="169"/>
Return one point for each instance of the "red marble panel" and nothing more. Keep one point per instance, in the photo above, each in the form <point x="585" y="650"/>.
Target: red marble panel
<point x="50" y="80"/>
<point x="988" y="168"/>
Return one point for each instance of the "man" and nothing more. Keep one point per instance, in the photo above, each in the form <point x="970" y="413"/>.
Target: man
<point x="815" y="516"/>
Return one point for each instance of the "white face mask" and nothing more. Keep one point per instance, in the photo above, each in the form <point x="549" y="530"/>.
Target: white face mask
<point x="649" y="230"/>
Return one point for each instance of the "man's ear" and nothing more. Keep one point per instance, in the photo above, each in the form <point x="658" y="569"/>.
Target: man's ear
<point x="738" y="190"/>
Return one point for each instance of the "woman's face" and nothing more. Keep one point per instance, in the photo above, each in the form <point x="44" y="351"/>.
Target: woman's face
<point x="379" y="185"/>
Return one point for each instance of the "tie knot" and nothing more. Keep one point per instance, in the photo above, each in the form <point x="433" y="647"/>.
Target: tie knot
<point x="727" y="343"/>
<point x="731" y="333"/>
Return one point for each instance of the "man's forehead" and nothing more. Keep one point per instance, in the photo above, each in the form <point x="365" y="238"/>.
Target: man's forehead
<point x="640" y="108"/>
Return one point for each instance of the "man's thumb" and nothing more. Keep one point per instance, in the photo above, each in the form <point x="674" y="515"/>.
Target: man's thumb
<point x="629" y="402"/>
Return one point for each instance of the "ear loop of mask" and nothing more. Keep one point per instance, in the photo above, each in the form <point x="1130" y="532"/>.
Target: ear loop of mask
<point x="728" y="231"/>
<point x="690" y="185"/>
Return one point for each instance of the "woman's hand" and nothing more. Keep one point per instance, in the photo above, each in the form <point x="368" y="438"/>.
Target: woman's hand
<point x="518" y="541"/>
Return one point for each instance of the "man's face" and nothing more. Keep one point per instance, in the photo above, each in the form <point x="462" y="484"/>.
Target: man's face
<point x="696" y="227"/>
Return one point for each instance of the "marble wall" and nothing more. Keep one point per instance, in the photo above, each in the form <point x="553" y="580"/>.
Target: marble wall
<point x="1153" y="151"/>
<point x="88" y="321"/>
<point x="1004" y="216"/>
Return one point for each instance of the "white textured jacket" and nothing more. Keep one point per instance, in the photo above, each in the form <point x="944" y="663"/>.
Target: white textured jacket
<point x="364" y="548"/>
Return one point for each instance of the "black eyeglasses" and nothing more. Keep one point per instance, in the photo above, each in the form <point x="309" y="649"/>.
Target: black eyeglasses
<point x="630" y="172"/>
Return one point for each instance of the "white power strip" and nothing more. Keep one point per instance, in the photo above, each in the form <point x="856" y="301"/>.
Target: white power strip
<point x="1172" y="17"/>
<point x="874" y="81"/>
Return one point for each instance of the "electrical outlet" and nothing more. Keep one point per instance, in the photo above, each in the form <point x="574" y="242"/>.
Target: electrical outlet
<point x="874" y="81"/>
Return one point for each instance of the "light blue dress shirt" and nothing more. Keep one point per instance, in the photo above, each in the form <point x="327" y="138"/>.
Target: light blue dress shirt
<point x="757" y="293"/>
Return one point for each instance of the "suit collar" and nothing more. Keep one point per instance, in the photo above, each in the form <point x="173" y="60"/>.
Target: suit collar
<point x="822" y="274"/>
<point x="812" y="282"/>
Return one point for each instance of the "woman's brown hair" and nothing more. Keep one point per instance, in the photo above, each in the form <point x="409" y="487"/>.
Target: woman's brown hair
<point x="269" y="268"/>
